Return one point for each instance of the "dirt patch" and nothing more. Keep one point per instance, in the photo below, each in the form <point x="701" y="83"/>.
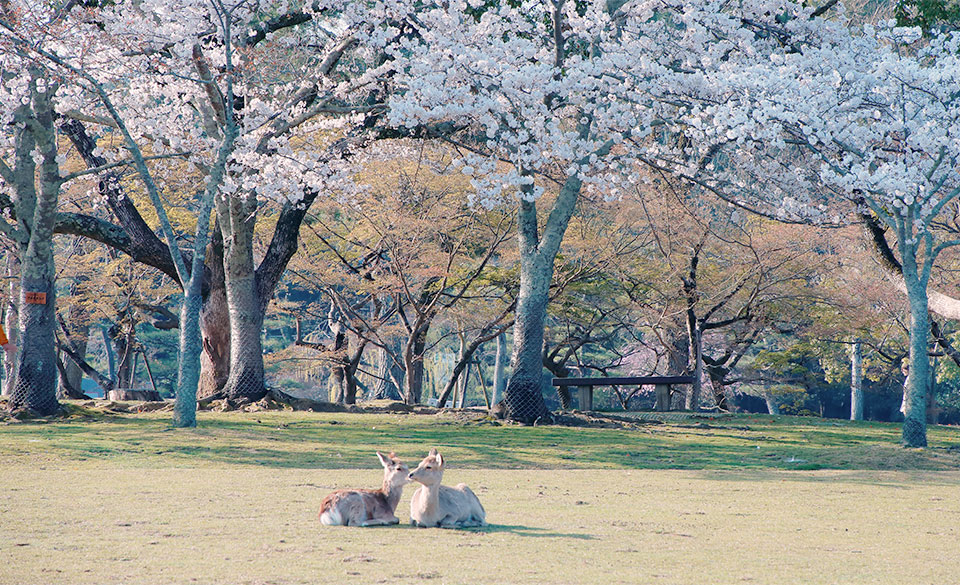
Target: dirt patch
<point x="596" y="420"/>
<point x="277" y="400"/>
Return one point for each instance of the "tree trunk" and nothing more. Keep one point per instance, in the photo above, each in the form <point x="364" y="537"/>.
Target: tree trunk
<point x="773" y="406"/>
<point x="499" y="374"/>
<point x="387" y="372"/>
<point x="856" y="381"/>
<point x="35" y="384"/>
<point x="191" y="340"/>
<point x="523" y="396"/>
<point x="111" y="357"/>
<point x="246" y="380"/>
<point x="337" y="389"/>
<point x="413" y="365"/>
<point x="214" y="323"/>
<point x="188" y="371"/>
<point x="464" y="376"/>
<point x="694" y="333"/>
<point x="11" y="320"/>
<point x="350" y="372"/>
<point x="696" y="354"/>
<point x="717" y="375"/>
<point x="72" y="374"/>
<point x="78" y="332"/>
<point x="678" y="361"/>
<point x="124" y="340"/>
<point x="915" y="392"/>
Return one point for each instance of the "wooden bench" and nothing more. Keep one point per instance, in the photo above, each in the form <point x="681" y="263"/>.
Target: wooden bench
<point x="661" y="384"/>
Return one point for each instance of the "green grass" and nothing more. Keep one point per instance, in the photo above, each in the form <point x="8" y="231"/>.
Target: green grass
<point x="745" y="499"/>
<point x="282" y="439"/>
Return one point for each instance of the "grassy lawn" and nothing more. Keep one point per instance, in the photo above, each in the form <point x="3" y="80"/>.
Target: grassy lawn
<point x="740" y="499"/>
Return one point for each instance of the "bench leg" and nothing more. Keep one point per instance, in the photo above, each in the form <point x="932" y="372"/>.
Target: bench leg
<point x="586" y="397"/>
<point x="663" y="397"/>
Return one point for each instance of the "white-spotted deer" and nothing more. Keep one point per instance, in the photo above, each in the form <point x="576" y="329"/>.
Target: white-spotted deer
<point x="439" y="505"/>
<point x="368" y="507"/>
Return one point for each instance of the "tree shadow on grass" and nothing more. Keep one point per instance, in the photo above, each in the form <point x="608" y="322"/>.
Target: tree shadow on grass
<point x="531" y="531"/>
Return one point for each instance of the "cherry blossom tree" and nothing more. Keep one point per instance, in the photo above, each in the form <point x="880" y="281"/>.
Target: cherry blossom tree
<point x="30" y="92"/>
<point x="163" y="75"/>
<point x="103" y="75"/>
<point x="567" y="96"/>
<point x="867" y="119"/>
<point x="28" y="109"/>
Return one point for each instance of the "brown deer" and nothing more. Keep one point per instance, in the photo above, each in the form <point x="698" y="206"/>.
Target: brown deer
<point x="368" y="507"/>
<point x="439" y="505"/>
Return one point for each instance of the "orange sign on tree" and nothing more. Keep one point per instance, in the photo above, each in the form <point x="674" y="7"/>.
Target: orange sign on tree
<point x="35" y="298"/>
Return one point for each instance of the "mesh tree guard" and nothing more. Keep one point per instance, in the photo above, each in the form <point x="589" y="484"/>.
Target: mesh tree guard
<point x="523" y="401"/>
<point x="914" y="433"/>
<point x="35" y="380"/>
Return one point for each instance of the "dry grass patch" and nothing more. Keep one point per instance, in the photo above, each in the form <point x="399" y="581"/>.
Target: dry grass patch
<point x="118" y="498"/>
<point x="253" y="525"/>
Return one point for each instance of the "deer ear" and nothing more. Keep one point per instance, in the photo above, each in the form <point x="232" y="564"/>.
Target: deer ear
<point x="383" y="459"/>
<point x="439" y="459"/>
<point x="433" y="451"/>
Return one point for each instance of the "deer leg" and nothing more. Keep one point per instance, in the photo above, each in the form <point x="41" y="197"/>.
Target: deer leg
<point x="379" y="522"/>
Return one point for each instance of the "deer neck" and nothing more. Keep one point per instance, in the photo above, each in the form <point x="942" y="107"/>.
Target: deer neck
<point x="391" y="493"/>
<point x="431" y="496"/>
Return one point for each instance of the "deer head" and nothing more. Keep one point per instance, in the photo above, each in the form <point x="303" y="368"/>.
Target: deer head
<point x="430" y="470"/>
<point x="395" y="472"/>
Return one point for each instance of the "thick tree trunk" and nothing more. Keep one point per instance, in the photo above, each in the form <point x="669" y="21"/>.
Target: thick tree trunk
<point x="124" y="340"/>
<point x="337" y="390"/>
<point x="188" y="371"/>
<point x="856" y="381"/>
<point x="11" y="322"/>
<point x="214" y="323"/>
<point x="387" y="371"/>
<point x="915" y="392"/>
<point x="215" y="358"/>
<point x="499" y="369"/>
<point x="678" y="360"/>
<point x="523" y="397"/>
<point x="246" y="381"/>
<point x="413" y="366"/>
<point x="35" y="384"/>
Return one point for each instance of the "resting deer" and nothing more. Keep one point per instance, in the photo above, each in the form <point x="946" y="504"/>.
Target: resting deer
<point x="439" y="505"/>
<point x="368" y="507"/>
